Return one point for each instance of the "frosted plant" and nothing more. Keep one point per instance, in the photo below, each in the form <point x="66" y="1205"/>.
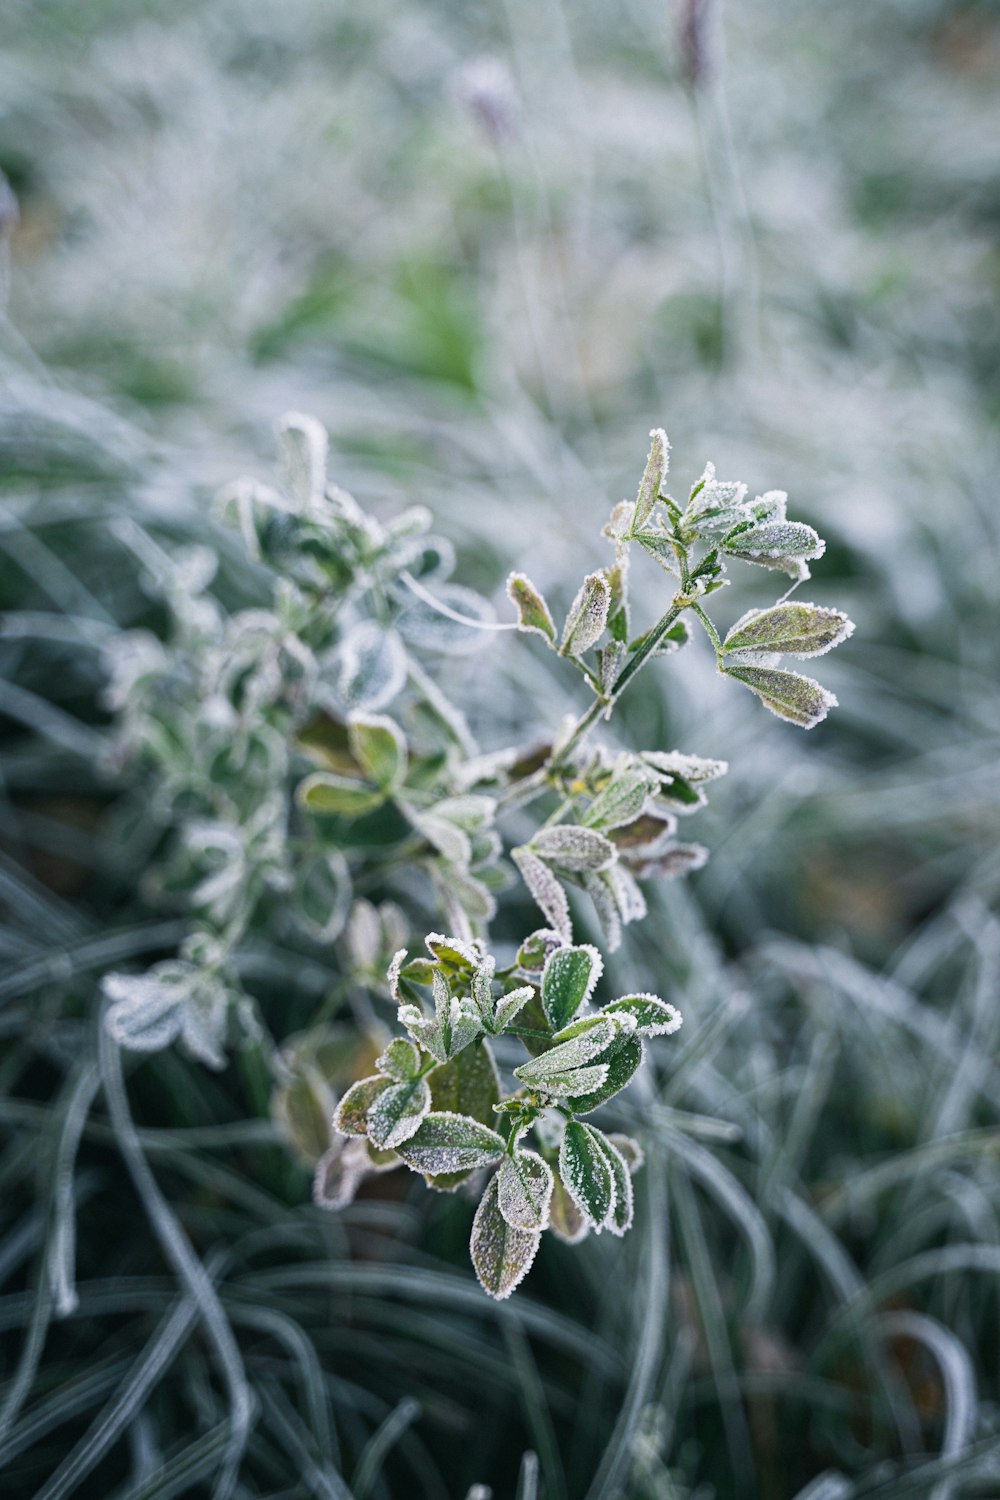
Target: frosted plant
<point x="303" y="750"/>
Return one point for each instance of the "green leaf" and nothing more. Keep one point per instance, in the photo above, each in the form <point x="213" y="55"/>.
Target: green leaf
<point x="325" y="792"/>
<point x="532" y="610"/>
<point x="524" y="1190"/>
<point x="622" y="800"/>
<point x="653" y="476"/>
<point x="793" y="629"/>
<point x="351" y="1117"/>
<point x="534" y="951"/>
<point x="588" y="615"/>
<point x="573" y="848"/>
<point x="653" y="1016"/>
<point x="568" y="981"/>
<point x="455" y="955"/>
<point x="399" y="1061"/>
<point x="623" y="1057"/>
<point x="397" y="1112"/>
<point x="379" y="748"/>
<point x="586" y="1172"/>
<point x="466" y="1085"/>
<point x="446" y="1142"/>
<point x="501" y="1254"/>
<point x="798" y="699"/>
<point x="580" y="1049"/>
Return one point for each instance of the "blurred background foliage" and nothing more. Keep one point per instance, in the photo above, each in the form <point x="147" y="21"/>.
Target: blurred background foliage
<point x="489" y="247"/>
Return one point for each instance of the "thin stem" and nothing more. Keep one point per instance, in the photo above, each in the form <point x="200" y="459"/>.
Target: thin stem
<point x="649" y="645"/>
<point x="710" y="631"/>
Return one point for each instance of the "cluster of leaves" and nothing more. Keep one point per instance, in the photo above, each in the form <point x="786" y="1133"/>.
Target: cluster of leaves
<point x="228" y="715"/>
<point x="435" y="1103"/>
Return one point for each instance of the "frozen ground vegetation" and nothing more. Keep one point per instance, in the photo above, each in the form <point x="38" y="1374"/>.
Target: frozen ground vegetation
<point x="337" y="667"/>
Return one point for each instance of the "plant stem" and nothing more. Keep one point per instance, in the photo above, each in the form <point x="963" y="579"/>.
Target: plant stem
<point x="601" y="706"/>
<point x="710" y="631"/>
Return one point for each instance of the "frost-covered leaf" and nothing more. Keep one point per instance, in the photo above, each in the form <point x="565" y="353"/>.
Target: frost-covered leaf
<point x="630" y="1151"/>
<point x="622" y="1057"/>
<point x="501" y="1254"/>
<point x="470" y="812"/>
<point x="395" y="1114"/>
<point x="351" y="1117"/>
<point x="776" y="544"/>
<point x="800" y="700"/>
<point x="532" y="610"/>
<point x="434" y="626"/>
<point x="653" y="476"/>
<point x="617" y="900"/>
<point x="524" y="1190"/>
<point x="302" y="444"/>
<point x="670" y="862"/>
<point x="653" y="1016"/>
<point x="610" y="660"/>
<point x="399" y="1061"/>
<point x="446" y="1142"/>
<point x="372" y="666"/>
<point x="546" y="890"/>
<point x="425" y="1030"/>
<point x="691" y="768"/>
<point x="447" y="838"/>
<point x="468" y="1084"/>
<point x="580" y="1049"/>
<point x="572" y="1081"/>
<point x="770" y="506"/>
<point x="534" y="951"/>
<point x="339" y="1172"/>
<point x="606" y="906"/>
<point x="568" y="982"/>
<point x="716" y="504"/>
<point x="509" y="1006"/>
<point x="792" y="629"/>
<point x="453" y="953"/>
<point x="661" y="550"/>
<point x="173" y="1001"/>
<point x="379" y="748"/>
<point x="325" y="792"/>
<point x="619" y="1218"/>
<point x="573" y="848"/>
<point x="622" y="800"/>
<point x="588" y="615"/>
<point x="565" y="1219"/>
<point x="646" y="836"/>
<point x="321" y="895"/>
<point x="586" y="1172"/>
